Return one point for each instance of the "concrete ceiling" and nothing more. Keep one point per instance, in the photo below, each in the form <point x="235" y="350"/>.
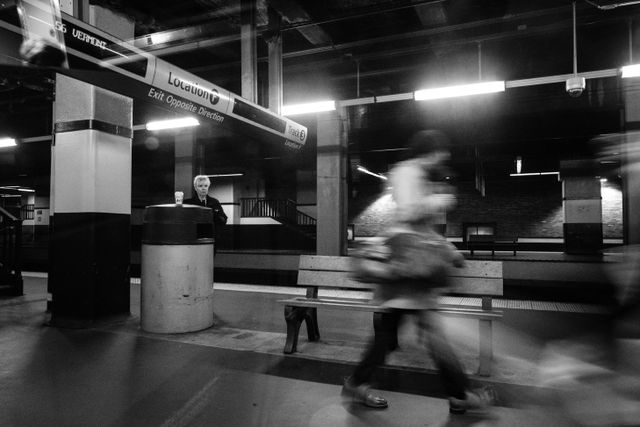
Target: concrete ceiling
<point x="358" y="48"/>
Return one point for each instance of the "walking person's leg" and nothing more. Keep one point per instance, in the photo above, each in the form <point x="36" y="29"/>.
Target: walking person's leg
<point x="451" y="371"/>
<point x="357" y="385"/>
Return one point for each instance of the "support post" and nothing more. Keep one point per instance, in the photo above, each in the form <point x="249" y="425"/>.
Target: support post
<point x="630" y="165"/>
<point x="582" y="205"/>
<point x="91" y="204"/>
<point x="332" y="184"/>
<point x="248" y="50"/>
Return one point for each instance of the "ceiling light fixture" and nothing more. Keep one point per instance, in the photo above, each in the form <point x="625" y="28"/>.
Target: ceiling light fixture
<point x="7" y="142"/>
<point x="630" y="71"/>
<point x="312" y="107"/>
<point x="534" y="173"/>
<point x="224" y="175"/>
<point x="368" y="172"/>
<point x="172" y="124"/>
<point x="460" y="90"/>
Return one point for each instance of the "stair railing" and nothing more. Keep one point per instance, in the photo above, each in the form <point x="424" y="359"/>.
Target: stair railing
<point x="10" y="253"/>
<point x="283" y="210"/>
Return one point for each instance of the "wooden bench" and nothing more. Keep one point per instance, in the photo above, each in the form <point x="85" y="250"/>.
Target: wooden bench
<point x="478" y="278"/>
<point x="489" y="242"/>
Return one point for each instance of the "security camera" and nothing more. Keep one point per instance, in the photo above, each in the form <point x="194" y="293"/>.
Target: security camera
<point x="575" y="86"/>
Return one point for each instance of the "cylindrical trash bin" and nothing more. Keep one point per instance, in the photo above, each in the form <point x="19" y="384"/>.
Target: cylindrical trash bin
<point x="176" y="281"/>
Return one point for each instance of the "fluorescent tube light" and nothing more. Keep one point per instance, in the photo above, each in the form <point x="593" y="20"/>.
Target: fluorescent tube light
<point x="172" y="124"/>
<point x="26" y="190"/>
<point x="461" y="90"/>
<point x="313" y="107"/>
<point x="368" y="172"/>
<point x="7" y="142"/>
<point x="224" y="175"/>
<point x="534" y="173"/>
<point x="631" y="71"/>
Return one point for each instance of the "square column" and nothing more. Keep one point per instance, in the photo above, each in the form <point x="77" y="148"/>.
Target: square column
<point x="91" y="204"/>
<point x="332" y="184"/>
<point x="582" y="206"/>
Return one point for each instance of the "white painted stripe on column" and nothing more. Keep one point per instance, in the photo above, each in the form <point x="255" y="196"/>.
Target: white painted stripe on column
<point x="92" y="173"/>
<point x="582" y="211"/>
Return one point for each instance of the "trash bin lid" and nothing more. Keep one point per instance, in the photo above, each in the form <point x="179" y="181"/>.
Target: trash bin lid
<point x="177" y="225"/>
<point x="177" y="214"/>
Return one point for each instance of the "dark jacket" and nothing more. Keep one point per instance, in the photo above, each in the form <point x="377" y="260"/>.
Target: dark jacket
<point x="219" y="217"/>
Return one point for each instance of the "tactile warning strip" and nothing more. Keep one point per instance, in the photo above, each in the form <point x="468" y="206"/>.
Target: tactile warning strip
<point x="510" y="304"/>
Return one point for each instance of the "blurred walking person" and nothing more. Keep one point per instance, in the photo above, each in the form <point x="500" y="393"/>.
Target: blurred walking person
<point x="421" y="192"/>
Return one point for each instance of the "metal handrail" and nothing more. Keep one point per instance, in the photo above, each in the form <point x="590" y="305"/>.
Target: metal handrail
<point x="284" y="210"/>
<point x="27" y="212"/>
<point x="10" y="252"/>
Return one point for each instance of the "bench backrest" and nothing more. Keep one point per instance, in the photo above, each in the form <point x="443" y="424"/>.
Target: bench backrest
<point x="477" y="277"/>
<point x="482" y="238"/>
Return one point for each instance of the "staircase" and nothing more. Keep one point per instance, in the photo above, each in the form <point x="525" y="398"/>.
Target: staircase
<point x="10" y="254"/>
<point x="285" y="211"/>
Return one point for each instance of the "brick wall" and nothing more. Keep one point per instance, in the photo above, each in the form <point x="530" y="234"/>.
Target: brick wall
<point x="523" y="207"/>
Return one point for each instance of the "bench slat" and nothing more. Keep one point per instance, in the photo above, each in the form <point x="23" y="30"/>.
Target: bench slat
<point x="337" y="304"/>
<point x="330" y="279"/>
<point x="476" y="286"/>
<point x="322" y="262"/>
<point x="472" y="268"/>
<point x="340" y="279"/>
<point x="357" y="305"/>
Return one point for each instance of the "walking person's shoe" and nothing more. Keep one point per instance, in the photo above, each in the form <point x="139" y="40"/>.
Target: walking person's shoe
<point x="475" y="401"/>
<point x="362" y="394"/>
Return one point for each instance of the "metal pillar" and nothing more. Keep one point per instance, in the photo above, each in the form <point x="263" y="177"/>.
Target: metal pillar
<point x="630" y="167"/>
<point x="274" y="43"/>
<point x="248" y="50"/>
<point x="185" y="164"/>
<point x="332" y="184"/>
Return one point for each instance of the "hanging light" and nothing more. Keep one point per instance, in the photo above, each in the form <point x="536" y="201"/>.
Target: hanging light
<point x="368" y="172"/>
<point x="459" y="90"/>
<point x="7" y="142"/>
<point x="172" y="124"/>
<point x="312" y="107"/>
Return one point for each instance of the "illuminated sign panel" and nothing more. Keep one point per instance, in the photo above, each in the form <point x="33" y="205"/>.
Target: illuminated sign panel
<point x="169" y="85"/>
<point x="188" y="86"/>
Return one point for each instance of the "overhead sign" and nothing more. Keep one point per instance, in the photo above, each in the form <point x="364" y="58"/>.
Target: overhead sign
<point x="174" y="80"/>
<point x="172" y="86"/>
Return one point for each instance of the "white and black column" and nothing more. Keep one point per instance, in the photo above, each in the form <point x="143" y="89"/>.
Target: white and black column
<point x="582" y="205"/>
<point x="91" y="203"/>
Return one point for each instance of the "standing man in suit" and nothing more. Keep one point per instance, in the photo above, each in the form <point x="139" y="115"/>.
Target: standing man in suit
<point x="201" y="184"/>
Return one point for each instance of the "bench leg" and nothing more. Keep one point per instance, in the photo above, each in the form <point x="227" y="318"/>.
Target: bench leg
<point x="311" y="319"/>
<point x="486" y="347"/>
<point x="293" y="316"/>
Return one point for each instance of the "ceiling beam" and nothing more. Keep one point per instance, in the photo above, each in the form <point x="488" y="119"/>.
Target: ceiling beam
<point x="292" y="13"/>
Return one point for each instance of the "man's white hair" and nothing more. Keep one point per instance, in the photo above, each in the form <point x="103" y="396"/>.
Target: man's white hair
<point x="200" y="178"/>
